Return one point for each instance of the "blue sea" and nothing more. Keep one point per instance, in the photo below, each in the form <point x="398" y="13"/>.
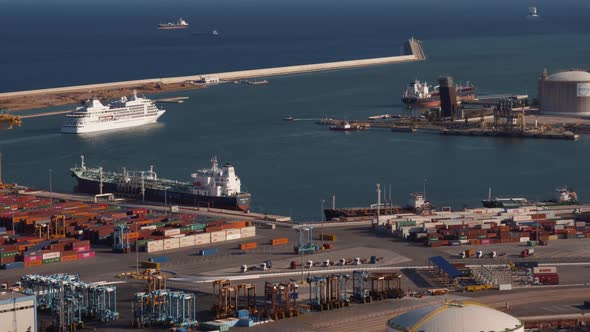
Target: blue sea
<point x="290" y="167"/>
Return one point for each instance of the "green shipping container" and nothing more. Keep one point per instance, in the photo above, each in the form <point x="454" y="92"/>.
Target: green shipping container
<point x="197" y="227"/>
<point x="8" y="253"/>
<point x="51" y="260"/>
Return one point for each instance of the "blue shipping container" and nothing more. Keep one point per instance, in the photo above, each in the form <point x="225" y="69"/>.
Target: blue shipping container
<point x="208" y="252"/>
<point x="244" y="313"/>
<point x="158" y="259"/>
<point x="15" y="265"/>
<point x="2" y="230"/>
<point x="246" y="322"/>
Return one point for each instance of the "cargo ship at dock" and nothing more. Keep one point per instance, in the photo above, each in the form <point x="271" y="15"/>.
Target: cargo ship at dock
<point x="423" y="95"/>
<point x="417" y="204"/>
<point x="564" y="195"/>
<point x="214" y="187"/>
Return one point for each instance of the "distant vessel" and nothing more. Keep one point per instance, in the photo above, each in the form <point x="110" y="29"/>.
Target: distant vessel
<point x="564" y="195"/>
<point x="124" y="113"/>
<point x="533" y="13"/>
<point x="180" y="24"/>
<point x="417" y="204"/>
<point x="212" y="33"/>
<point x="289" y="118"/>
<point x="423" y="95"/>
<point x="215" y="187"/>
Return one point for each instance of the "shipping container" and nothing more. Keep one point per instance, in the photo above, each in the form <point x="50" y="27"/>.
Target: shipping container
<point x="230" y="237"/>
<point x="202" y="238"/>
<point x="246" y="246"/>
<point x="544" y="269"/>
<point x="279" y="241"/>
<point x="327" y="237"/>
<point x="208" y="252"/>
<point x="10" y="266"/>
<point x="150" y="265"/>
<point x="85" y="255"/>
<point x="547" y="278"/>
<point x="158" y="259"/>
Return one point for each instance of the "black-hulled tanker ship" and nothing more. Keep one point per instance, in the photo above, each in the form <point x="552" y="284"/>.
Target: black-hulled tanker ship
<point x="215" y="187"/>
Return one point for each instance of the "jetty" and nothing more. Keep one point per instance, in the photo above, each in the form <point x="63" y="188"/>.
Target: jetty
<point x="411" y="51"/>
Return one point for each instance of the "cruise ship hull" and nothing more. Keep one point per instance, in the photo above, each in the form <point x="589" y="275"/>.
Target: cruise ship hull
<point x="111" y="125"/>
<point x="239" y="202"/>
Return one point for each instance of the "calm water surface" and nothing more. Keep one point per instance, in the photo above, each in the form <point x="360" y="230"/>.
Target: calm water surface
<point x="291" y="166"/>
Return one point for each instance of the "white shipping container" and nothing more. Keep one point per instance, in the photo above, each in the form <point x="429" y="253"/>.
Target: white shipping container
<point x="580" y="224"/>
<point x="464" y="241"/>
<point x="249" y="229"/>
<point x="505" y="287"/>
<point x="233" y="231"/>
<point x="204" y="238"/>
<point x="148" y="227"/>
<point x="522" y="218"/>
<point x="486" y="226"/>
<point x="155" y="249"/>
<point x="50" y="255"/>
<point x="172" y="246"/>
<point x="155" y="246"/>
<point x="217" y="239"/>
<point x="218" y="235"/>
<point x="525" y="239"/>
<point x="171" y="242"/>
<point x="559" y="227"/>
<point x="233" y="237"/>
<point x="544" y="269"/>
<point x="187" y="241"/>
<point x="172" y="231"/>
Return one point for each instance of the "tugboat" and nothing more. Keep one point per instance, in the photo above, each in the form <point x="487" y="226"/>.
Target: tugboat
<point x="180" y="24"/>
<point x="423" y="95"/>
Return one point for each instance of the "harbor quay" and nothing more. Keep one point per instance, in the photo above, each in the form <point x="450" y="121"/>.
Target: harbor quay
<point x="412" y="51"/>
<point x="368" y="268"/>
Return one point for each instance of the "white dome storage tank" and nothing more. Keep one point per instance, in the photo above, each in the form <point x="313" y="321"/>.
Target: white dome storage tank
<point x="565" y="92"/>
<point x="456" y="317"/>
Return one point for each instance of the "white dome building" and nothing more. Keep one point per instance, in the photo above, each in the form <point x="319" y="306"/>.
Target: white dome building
<point x="566" y="93"/>
<point x="455" y="317"/>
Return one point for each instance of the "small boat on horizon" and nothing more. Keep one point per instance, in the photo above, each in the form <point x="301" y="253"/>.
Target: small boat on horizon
<point x="180" y="24"/>
<point x="533" y="15"/>
<point x="212" y="33"/>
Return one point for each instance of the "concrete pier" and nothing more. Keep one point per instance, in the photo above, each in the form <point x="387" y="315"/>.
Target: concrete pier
<point x="412" y="52"/>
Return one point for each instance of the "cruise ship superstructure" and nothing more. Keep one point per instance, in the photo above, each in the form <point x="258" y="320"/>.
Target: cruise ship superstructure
<point x="124" y="113"/>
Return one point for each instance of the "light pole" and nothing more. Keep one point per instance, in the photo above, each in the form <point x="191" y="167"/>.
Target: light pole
<point x="322" y="222"/>
<point x="50" y="187"/>
<point x="136" y="252"/>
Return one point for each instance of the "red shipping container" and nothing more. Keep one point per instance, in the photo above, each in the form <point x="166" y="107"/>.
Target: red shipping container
<point x="29" y="259"/>
<point x="82" y="249"/>
<point x="85" y="255"/>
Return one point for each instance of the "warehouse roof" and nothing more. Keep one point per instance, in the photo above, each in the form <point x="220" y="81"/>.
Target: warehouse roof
<point x="570" y="76"/>
<point x="447" y="267"/>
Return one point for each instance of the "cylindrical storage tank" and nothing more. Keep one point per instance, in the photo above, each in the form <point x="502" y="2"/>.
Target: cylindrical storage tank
<point x="456" y="317"/>
<point x="448" y="96"/>
<point x="565" y="92"/>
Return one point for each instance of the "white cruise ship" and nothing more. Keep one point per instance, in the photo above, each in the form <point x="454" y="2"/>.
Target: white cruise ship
<point x="124" y="113"/>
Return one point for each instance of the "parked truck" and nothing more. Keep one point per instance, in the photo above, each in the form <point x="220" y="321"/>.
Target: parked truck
<point x="527" y="252"/>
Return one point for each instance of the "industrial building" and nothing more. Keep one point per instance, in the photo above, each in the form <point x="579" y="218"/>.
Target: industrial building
<point x="456" y="317"/>
<point x="18" y="312"/>
<point x="566" y="93"/>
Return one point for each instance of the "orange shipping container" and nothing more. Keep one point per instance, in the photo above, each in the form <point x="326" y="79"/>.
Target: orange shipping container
<point x="279" y="241"/>
<point x="69" y="257"/>
<point x="246" y="246"/>
<point x="33" y="263"/>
